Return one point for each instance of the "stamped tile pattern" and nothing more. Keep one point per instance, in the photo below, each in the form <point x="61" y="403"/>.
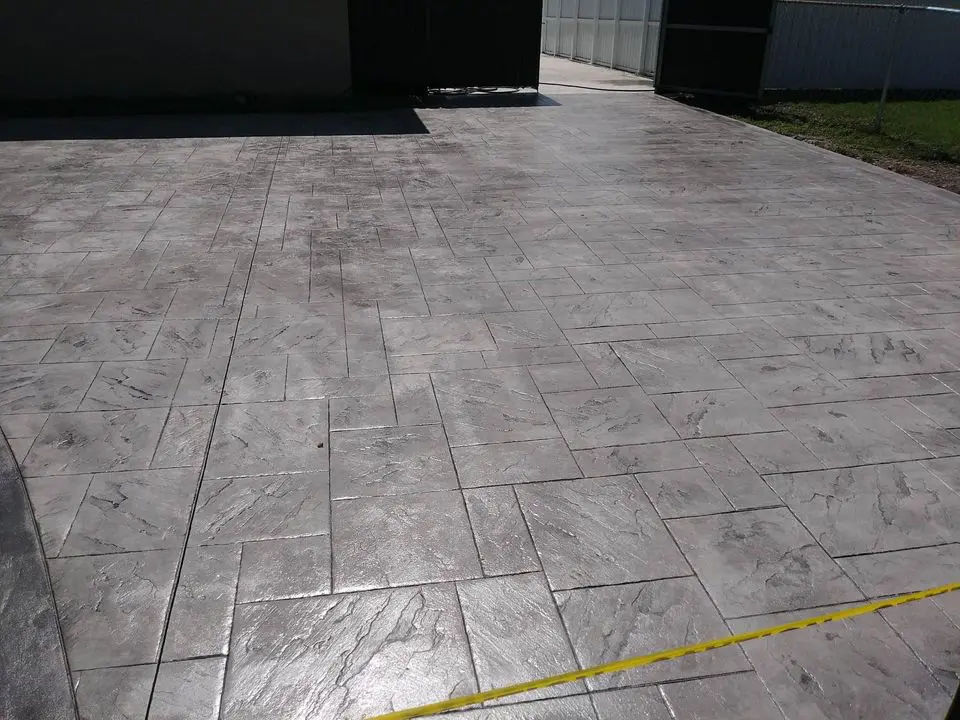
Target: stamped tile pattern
<point x="500" y="531"/>
<point x="136" y="510"/>
<point x="231" y="510"/>
<point x="872" y="508"/>
<point x="740" y="695"/>
<point x="188" y="689"/>
<point x="55" y="501"/>
<point x="118" y="692"/>
<point x="715" y="413"/>
<point x="515" y="632"/>
<point x="394" y="395"/>
<point x="853" y="433"/>
<point x="604" y="418"/>
<point x="598" y="531"/>
<point x="514" y="463"/>
<point x="679" y="493"/>
<point x="390" y="461"/>
<point x="112" y="606"/>
<point x="202" y="612"/>
<point x="129" y="385"/>
<point x="676" y="365"/>
<point x="285" y="568"/>
<point x="885" y="678"/>
<point x="609" y="623"/>
<point x="757" y="561"/>
<point x="932" y="630"/>
<point x="95" y="442"/>
<point x="268" y="438"/>
<point x="488" y="406"/>
<point x="402" y="540"/>
<point x="356" y="654"/>
<point x="730" y="471"/>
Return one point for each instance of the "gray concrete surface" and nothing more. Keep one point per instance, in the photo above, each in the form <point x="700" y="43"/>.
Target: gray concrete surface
<point x="590" y="79"/>
<point x="323" y="426"/>
<point x="33" y="675"/>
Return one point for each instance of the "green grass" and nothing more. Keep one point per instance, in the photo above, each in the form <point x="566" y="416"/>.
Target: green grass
<point x="919" y="137"/>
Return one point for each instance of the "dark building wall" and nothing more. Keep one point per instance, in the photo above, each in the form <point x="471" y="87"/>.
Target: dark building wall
<point x="156" y="49"/>
<point x="402" y="46"/>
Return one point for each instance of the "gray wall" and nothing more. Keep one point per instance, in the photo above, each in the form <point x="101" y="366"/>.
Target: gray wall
<point x="840" y="46"/>
<point x="622" y="34"/>
<point x="816" y="45"/>
<point x="65" y="49"/>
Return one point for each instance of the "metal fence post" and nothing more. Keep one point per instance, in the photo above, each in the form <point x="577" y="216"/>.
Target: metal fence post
<point x="576" y="30"/>
<point x="616" y="33"/>
<point x="894" y="37"/>
<point x="543" y="28"/>
<point x="643" y="37"/>
<point x="556" y="41"/>
<point x="771" y="40"/>
<point x="596" y="31"/>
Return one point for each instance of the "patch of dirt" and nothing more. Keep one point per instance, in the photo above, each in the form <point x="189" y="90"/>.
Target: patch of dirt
<point x="941" y="174"/>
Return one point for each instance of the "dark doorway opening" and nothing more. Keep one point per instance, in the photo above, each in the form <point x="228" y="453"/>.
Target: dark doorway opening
<point x="714" y="49"/>
<point x="404" y="47"/>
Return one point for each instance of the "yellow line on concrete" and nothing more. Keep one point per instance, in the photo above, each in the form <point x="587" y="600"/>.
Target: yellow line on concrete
<point x="672" y="654"/>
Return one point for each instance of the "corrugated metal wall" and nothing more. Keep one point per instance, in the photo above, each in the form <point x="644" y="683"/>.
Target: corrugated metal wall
<point x="622" y="34"/>
<point x="832" y="45"/>
<point x="815" y="45"/>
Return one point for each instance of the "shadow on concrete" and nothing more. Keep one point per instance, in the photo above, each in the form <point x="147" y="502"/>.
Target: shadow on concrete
<point x="399" y="121"/>
<point x="497" y="99"/>
<point x="34" y="682"/>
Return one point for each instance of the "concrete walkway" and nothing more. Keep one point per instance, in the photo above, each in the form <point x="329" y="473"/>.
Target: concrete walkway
<point x="318" y="424"/>
<point x="563" y="77"/>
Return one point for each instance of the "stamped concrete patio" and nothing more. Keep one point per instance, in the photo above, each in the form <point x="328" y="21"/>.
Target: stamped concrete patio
<point x="327" y="424"/>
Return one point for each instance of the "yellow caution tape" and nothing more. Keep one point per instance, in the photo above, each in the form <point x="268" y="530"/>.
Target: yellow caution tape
<point x="672" y="654"/>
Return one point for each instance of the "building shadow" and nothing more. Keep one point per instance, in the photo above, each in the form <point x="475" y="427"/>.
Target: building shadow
<point x="394" y="121"/>
<point x="495" y="99"/>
